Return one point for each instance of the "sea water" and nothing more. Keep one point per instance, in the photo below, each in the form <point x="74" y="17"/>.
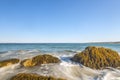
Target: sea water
<point x="51" y="47"/>
<point x="64" y="51"/>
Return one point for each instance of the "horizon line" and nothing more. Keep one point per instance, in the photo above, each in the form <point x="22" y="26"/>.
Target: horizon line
<point x="57" y="42"/>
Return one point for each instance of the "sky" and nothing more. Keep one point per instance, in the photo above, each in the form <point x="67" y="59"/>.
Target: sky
<point x="59" y="21"/>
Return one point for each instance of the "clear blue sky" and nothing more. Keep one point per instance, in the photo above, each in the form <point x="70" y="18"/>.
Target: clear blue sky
<point x="59" y="20"/>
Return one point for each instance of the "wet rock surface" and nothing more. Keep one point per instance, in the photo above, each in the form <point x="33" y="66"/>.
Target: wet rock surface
<point x="40" y="59"/>
<point x="98" y="58"/>
<point x="8" y="62"/>
<point x="30" y="76"/>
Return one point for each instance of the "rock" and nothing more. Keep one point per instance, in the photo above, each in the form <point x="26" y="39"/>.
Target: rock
<point x="27" y="63"/>
<point x="98" y="58"/>
<point x="29" y="76"/>
<point x="8" y="62"/>
<point x="40" y="59"/>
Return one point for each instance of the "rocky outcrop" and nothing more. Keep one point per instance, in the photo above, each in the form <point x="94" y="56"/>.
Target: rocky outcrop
<point x="40" y="59"/>
<point x="28" y="76"/>
<point x="98" y="58"/>
<point x="8" y="62"/>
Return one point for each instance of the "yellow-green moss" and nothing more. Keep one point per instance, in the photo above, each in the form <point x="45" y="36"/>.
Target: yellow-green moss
<point x="40" y="59"/>
<point x="98" y="58"/>
<point x="8" y="62"/>
<point x="28" y="76"/>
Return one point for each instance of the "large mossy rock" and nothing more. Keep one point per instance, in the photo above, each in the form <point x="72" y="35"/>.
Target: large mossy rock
<point x="8" y="62"/>
<point x="40" y="59"/>
<point x="28" y="76"/>
<point x="98" y="58"/>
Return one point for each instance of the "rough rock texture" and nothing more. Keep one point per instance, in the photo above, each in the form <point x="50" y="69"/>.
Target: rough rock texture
<point x="40" y="59"/>
<point x="98" y="58"/>
<point x="28" y="76"/>
<point x="8" y="62"/>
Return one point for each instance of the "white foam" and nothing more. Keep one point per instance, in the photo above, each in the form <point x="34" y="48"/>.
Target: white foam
<point x="66" y="69"/>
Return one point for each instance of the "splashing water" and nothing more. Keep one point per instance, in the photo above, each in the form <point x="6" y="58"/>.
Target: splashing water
<point x="66" y="69"/>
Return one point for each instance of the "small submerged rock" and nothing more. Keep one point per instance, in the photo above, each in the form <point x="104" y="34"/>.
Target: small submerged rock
<point x="9" y="62"/>
<point x="40" y="59"/>
<point x="30" y="76"/>
<point x="98" y="58"/>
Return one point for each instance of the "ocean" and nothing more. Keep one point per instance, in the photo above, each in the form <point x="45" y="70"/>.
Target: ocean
<point x="53" y="47"/>
<point x="64" y="51"/>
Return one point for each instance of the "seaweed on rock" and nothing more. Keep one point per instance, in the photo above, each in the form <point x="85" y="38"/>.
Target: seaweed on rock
<point x="98" y="58"/>
<point x="9" y="62"/>
<point x="40" y="59"/>
<point x="29" y="76"/>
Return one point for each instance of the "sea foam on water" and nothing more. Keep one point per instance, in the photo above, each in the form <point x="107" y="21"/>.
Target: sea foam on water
<point x="66" y="69"/>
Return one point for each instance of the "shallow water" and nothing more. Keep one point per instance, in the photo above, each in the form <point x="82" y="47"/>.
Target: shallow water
<point x="66" y="69"/>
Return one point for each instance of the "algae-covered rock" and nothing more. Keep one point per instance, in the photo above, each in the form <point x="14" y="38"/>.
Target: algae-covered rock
<point x="28" y="63"/>
<point x="40" y="59"/>
<point x="8" y="62"/>
<point x="98" y="58"/>
<point x="28" y="76"/>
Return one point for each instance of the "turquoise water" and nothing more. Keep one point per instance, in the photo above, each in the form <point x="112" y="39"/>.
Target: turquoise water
<point x="52" y="47"/>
